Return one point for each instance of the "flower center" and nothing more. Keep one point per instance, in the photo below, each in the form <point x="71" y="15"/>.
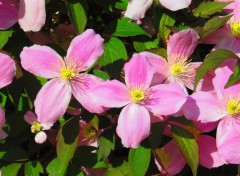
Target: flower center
<point x="235" y="27"/>
<point x="36" y="127"/>
<point x="67" y="73"/>
<point x="137" y="95"/>
<point x="233" y="106"/>
<point x="176" y="69"/>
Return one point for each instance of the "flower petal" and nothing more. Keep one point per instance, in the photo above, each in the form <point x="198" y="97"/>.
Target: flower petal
<point x="208" y="152"/>
<point x="111" y="94"/>
<point x="31" y="15"/>
<point x="30" y="117"/>
<point x="2" y="117"/>
<point x="228" y="143"/>
<point x="40" y="137"/>
<point x="81" y="89"/>
<point x="133" y="125"/>
<point x="183" y="43"/>
<point x="138" y="72"/>
<point x="52" y="101"/>
<point x="85" y="49"/>
<point x="136" y="9"/>
<point x="175" y="5"/>
<point x="165" y="99"/>
<point x="177" y="160"/>
<point x="7" y="71"/>
<point x="42" y="61"/>
<point x="203" y="107"/>
<point x="8" y="14"/>
<point x="160" y="66"/>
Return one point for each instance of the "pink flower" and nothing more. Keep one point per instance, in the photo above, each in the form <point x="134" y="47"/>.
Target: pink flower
<point x="228" y="37"/>
<point x="177" y="68"/>
<point x="138" y="98"/>
<point x="31" y="14"/>
<point x="229" y="8"/>
<point x="7" y="72"/>
<point x="53" y="98"/>
<point x="37" y="127"/>
<point x="175" y="5"/>
<point x="224" y="106"/>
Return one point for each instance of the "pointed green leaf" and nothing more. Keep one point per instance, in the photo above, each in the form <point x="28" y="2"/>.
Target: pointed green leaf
<point x="235" y="77"/>
<point x="33" y="168"/>
<point x="139" y="160"/>
<point x="188" y="146"/>
<point x="165" y="21"/>
<point x="143" y="43"/>
<point x="211" y="62"/>
<point x="122" y="170"/>
<point x="11" y="169"/>
<point x="4" y="36"/>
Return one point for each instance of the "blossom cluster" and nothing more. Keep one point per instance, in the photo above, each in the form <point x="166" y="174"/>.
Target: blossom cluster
<point x="152" y="88"/>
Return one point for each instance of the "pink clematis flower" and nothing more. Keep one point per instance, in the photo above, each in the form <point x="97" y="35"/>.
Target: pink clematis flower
<point x="53" y="98"/>
<point x="177" y="68"/>
<point x="224" y="106"/>
<point x="228" y="37"/>
<point x="31" y="14"/>
<point x="138" y="98"/>
<point x="7" y="72"/>
<point x="37" y="127"/>
<point x="175" y="5"/>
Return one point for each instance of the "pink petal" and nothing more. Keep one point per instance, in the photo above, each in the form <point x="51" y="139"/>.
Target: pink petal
<point x="183" y="43"/>
<point x="165" y="99"/>
<point x="8" y="14"/>
<point x="2" y="117"/>
<point x="85" y="49"/>
<point x="7" y="71"/>
<point x="217" y="36"/>
<point x="138" y="72"/>
<point x="52" y="100"/>
<point x="208" y="152"/>
<point x="160" y="66"/>
<point x="175" y="5"/>
<point x="40" y="137"/>
<point x="133" y="125"/>
<point x="177" y="160"/>
<point x="236" y="11"/>
<point x="31" y="15"/>
<point x="42" y="61"/>
<point x="30" y="117"/>
<point x="228" y="143"/>
<point x="207" y="126"/>
<point x="81" y="87"/>
<point x="203" y="107"/>
<point x="111" y="94"/>
<point x="229" y="8"/>
<point x="136" y="9"/>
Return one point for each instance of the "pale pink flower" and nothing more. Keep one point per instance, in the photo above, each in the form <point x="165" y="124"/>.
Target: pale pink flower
<point x="37" y="127"/>
<point x="175" y="5"/>
<point x="30" y="14"/>
<point x="224" y="106"/>
<point x="228" y="37"/>
<point x="7" y="72"/>
<point x="53" y="98"/>
<point x="138" y="98"/>
<point x="177" y="68"/>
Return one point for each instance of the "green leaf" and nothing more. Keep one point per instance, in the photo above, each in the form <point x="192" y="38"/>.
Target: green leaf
<point x="56" y="168"/>
<point x="106" y="142"/>
<point x="4" y="36"/>
<point x="121" y="4"/>
<point x="143" y="43"/>
<point x="205" y="9"/>
<point x="139" y="160"/>
<point x="159" y="51"/>
<point x="33" y="168"/>
<point x="67" y="140"/>
<point x="122" y="170"/>
<point x="124" y="28"/>
<point x="101" y="74"/>
<point x="211" y="62"/>
<point x="212" y="25"/>
<point x="188" y="146"/>
<point x="156" y="134"/>
<point x="114" y="50"/>
<point x="165" y="21"/>
<point x="11" y="169"/>
<point x="78" y="13"/>
<point x="235" y="77"/>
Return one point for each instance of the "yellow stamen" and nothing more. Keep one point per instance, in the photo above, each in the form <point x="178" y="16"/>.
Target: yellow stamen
<point x="176" y="69"/>
<point x="36" y="127"/>
<point x="137" y="95"/>
<point x="233" y="107"/>
<point x="235" y="27"/>
<point x="67" y="73"/>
